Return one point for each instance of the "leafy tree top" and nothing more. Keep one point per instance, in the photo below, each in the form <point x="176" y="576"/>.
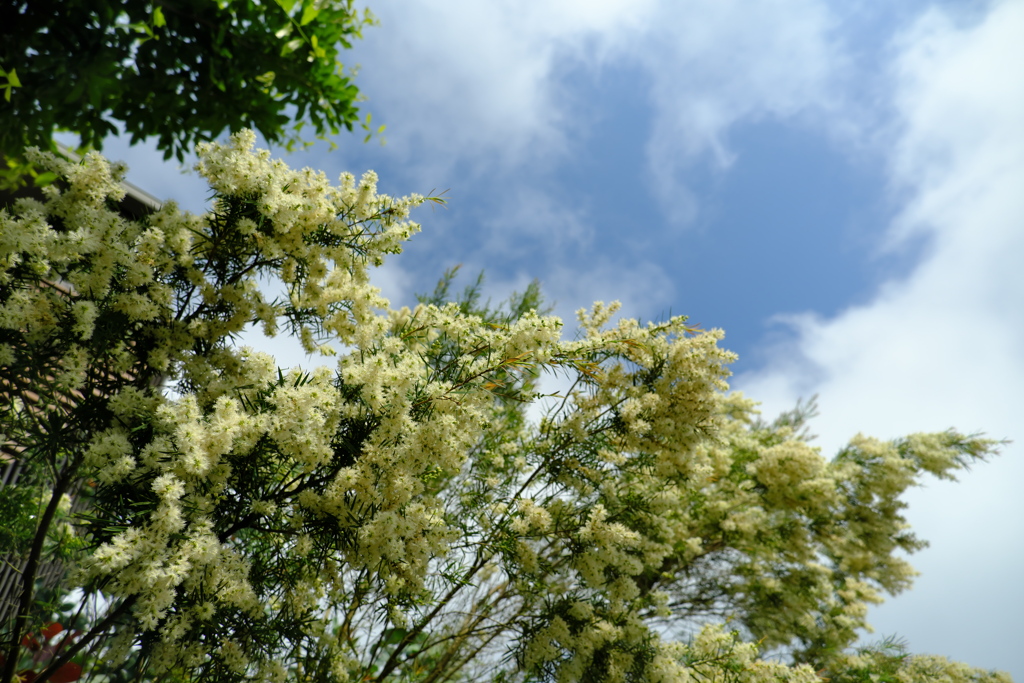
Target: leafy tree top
<point x="182" y="71"/>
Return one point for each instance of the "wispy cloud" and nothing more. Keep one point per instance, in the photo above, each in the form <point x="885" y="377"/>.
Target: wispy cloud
<point x="474" y="83"/>
<point x="484" y="84"/>
<point x="715" y="64"/>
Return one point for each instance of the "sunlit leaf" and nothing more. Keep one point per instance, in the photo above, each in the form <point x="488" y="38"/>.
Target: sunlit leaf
<point x="309" y="13"/>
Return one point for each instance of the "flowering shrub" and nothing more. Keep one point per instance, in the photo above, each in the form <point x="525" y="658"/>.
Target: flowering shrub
<point x="395" y="515"/>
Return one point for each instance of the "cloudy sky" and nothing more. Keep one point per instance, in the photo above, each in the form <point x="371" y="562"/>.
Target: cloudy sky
<point x="839" y="186"/>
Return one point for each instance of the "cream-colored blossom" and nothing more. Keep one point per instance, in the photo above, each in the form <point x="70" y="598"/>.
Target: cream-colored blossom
<point x="405" y="486"/>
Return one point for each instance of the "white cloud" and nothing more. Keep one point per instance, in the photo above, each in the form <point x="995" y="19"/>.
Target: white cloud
<point x="942" y="347"/>
<point x="529" y="217"/>
<point x="485" y="84"/>
<point x="714" y="64"/>
<point x="474" y="82"/>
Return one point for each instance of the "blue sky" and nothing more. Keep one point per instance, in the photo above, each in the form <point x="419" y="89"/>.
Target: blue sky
<point x="838" y="186"/>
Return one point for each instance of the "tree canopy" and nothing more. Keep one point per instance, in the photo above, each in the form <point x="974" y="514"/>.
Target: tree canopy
<point x="397" y="515"/>
<point x="181" y="71"/>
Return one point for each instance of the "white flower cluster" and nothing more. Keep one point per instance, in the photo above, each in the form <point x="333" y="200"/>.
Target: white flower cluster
<point x="398" y="510"/>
